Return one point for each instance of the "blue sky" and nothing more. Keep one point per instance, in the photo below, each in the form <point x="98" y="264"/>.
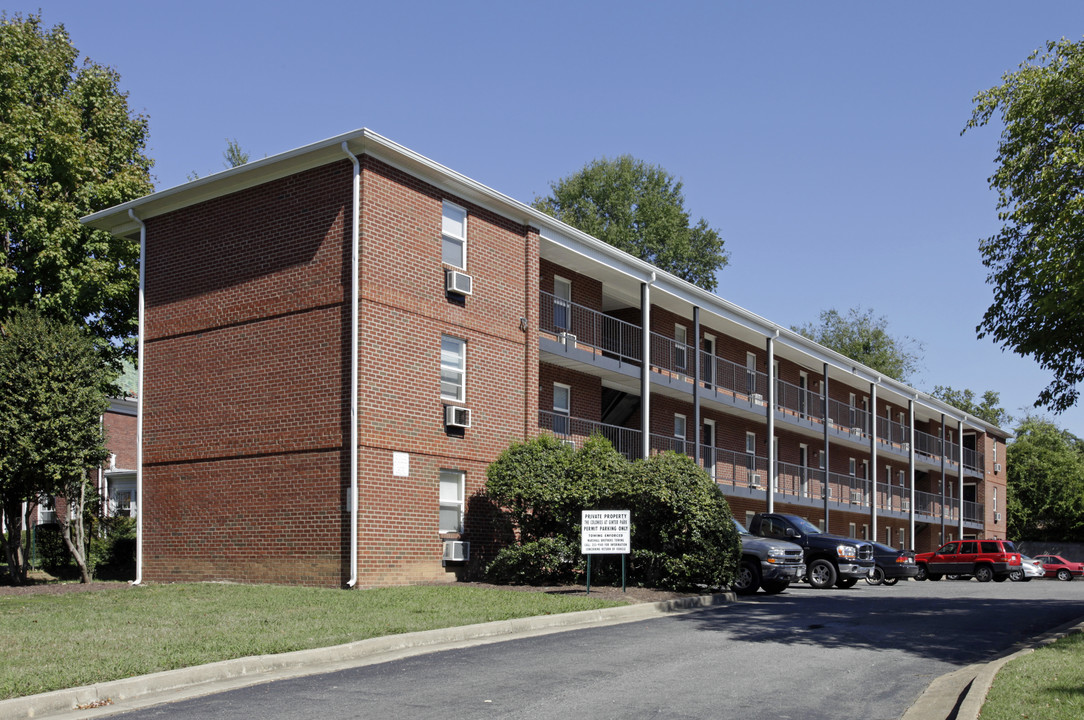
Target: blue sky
<point x="821" y="139"/>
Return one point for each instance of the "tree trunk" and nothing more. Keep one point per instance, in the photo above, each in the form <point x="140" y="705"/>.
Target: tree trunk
<point x="76" y="547"/>
<point x="13" y="547"/>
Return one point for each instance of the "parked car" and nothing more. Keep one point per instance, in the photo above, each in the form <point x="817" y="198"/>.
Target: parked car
<point x="985" y="560"/>
<point x="1059" y="567"/>
<point x="830" y="559"/>
<point x="892" y="565"/>
<point x="1029" y="568"/>
<point x="767" y="564"/>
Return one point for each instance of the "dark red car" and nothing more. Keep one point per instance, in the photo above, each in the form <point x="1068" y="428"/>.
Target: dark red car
<point x="1059" y="567"/>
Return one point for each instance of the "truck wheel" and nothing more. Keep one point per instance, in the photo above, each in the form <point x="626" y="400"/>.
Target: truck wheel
<point x="747" y="580"/>
<point x="845" y="583"/>
<point x="923" y="572"/>
<point x="1065" y="575"/>
<point x="1016" y="575"/>
<point x="891" y="581"/>
<point x="877" y="577"/>
<point x="983" y="573"/>
<point x="822" y="574"/>
<point x="773" y="587"/>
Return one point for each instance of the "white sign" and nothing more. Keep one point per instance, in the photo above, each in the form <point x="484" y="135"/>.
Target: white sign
<point x="400" y="464"/>
<point x="605" y="532"/>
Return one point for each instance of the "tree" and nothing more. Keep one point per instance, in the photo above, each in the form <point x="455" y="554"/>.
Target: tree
<point x="863" y="337"/>
<point x="53" y="391"/>
<point x="1034" y="261"/>
<point x="640" y="209"/>
<point x="1045" y="483"/>
<point x="989" y="409"/>
<point x="69" y="146"/>
<point x="234" y="155"/>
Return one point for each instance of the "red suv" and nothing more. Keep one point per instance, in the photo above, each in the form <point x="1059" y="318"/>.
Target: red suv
<point x="985" y="559"/>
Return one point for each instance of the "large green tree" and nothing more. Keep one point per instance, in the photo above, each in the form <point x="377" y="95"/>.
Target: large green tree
<point x="864" y="337"/>
<point x="988" y="408"/>
<point x="1035" y="261"/>
<point x="69" y="146"/>
<point x="52" y="394"/>
<point x="1045" y="483"/>
<point x="639" y="208"/>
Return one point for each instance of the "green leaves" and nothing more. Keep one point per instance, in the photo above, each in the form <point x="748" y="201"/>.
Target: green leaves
<point x="638" y="208"/>
<point x="1035" y="261"/>
<point x="69" y="146"/>
<point x="682" y="534"/>
<point x="1045" y="482"/>
<point x="863" y="337"/>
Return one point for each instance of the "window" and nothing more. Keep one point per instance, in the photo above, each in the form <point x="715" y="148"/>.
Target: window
<point x="451" y="500"/>
<point x="751" y="371"/>
<point x="562" y="408"/>
<point x="903" y="539"/>
<point x="751" y="451"/>
<point x="851" y="466"/>
<point x="851" y="529"/>
<point x="995" y="498"/>
<point x="865" y="531"/>
<point x="453" y="368"/>
<point x="681" y="336"/>
<point x="562" y="302"/>
<point x="679" y="431"/>
<point x="454" y="236"/>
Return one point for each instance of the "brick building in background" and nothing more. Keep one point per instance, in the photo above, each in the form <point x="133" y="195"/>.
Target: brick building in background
<point x="353" y="288"/>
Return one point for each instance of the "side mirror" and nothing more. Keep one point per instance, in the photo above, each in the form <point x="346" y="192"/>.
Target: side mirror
<point x="791" y="532"/>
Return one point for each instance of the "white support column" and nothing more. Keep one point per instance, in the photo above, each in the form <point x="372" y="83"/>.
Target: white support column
<point x="873" y="461"/>
<point x="911" y="474"/>
<point x="645" y="369"/>
<point x="960" y="474"/>
<point x="770" y="410"/>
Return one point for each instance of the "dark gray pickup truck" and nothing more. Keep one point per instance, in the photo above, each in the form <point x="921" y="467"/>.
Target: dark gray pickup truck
<point x="768" y="564"/>
<point x="830" y="559"/>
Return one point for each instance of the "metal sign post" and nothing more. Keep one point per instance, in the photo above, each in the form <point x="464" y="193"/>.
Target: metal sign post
<point x="605" y="532"/>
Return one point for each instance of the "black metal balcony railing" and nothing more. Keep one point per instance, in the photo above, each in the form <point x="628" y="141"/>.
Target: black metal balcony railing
<point x="609" y="336"/>
<point x="732" y="469"/>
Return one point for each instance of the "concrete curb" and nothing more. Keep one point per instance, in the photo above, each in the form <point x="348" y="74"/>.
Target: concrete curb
<point x="959" y="695"/>
<point x="107" y="698"/>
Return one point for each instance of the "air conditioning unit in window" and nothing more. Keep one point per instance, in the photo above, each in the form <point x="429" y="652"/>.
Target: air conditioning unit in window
<point x="456" y="551"/>
<point x="754" y="481"/>
<point x="856" y="431"/>
<point x="457" y="282"/>
<point x="756" y="398"/>
<point x="906" y="447"/>
<point x="856" y="496"/>
<point x="997" y="517"/>
<point x="997" y="467"/>
<point x="906" y="505"/>
<point x="455" y="416"/>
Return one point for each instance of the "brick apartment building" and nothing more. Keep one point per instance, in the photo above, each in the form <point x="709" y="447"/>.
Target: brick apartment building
<point x="336" y="341"/>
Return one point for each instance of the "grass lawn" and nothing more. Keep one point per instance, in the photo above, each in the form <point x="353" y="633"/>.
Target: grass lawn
<point x="1047" y="684"/>
<point x="52" y="642"/>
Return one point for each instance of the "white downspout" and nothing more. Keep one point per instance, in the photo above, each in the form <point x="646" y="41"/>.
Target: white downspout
<point x="355" y="232"/>
<point x="139" y="400"/>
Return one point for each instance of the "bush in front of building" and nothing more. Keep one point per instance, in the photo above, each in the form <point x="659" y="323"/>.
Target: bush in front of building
<point x="682" y="535"/>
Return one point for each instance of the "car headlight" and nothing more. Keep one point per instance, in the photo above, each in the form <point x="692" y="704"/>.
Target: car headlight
<point x="846" y="551"/>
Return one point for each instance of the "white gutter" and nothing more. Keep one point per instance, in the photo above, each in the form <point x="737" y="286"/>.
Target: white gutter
<point x="354" y="243"/>
<point x="139" y="399"/>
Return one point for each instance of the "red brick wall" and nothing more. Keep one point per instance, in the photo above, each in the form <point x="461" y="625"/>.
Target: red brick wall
<point x="120" y="437"/>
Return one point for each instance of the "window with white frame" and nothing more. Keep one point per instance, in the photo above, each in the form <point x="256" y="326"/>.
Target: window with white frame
<point x="995" y="498"/>
<point x="852" y="529"/>
<point x="681" y="337"/>
<point x="679" y="431"/>
<point x="903" y="539"/>
<point x="562" y="408"/>
<point x="454" y="236"/>
<point x="865" y="531"/>
<point x="451" y="500"/>
<point x="751" y="451"/>
<point x="562" y="302"/>
<point x="453" y="368"/>
<point x="852" y="466"/>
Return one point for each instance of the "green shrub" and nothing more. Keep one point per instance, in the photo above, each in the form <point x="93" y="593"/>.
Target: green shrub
<point x="682" y="534"/>
<point x="112" y="550"/>
<point x="547" y="561"/>
<point x="51" y="554"/>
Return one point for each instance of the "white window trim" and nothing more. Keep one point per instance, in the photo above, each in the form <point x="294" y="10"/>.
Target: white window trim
<point x="566" y="410"/>
<point x="458" y="503"/>
<point x="681" y="347"/>
<point x="680" y="419"/>
<point x="751" y="440"/>
<point x="461" y="369"/>
<point x="461" y="240"/>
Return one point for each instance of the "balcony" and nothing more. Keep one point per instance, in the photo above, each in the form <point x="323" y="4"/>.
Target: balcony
<point x="744" y="474"/>
<point x="580" y="335"/>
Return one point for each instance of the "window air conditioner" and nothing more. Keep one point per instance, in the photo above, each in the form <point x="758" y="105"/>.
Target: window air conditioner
<point x="754" y="481"/>
<point x="856" y="431"/>
<point x="568" y="339"/>
<point x="569" y="443"/>
<point x="455" y="416"/>
<point x="906" y="447"/>
<point x="856" y="496"/>
<point x="997" y="517"/>
<point x="457" y="282"/>
<point x="997" y="467"/>
<point x="756" y="398"/>
<point x="456" y="551"/>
